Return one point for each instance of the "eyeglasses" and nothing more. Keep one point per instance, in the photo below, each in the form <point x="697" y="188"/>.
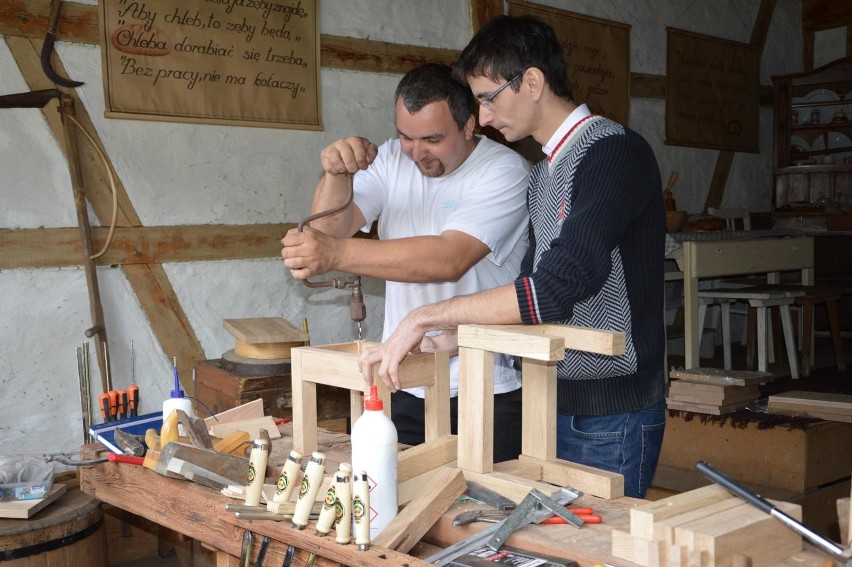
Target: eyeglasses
<point x="488" y="101"/>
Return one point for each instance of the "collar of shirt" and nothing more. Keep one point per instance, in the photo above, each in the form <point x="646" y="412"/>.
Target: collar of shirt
<point x="564" y="129"/>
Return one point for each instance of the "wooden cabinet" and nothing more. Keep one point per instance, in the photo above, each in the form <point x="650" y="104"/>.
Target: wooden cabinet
<point x="812" y="147"/>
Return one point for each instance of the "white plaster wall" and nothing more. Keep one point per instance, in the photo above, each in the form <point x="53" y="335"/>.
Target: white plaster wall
<point x="179" y="174"/>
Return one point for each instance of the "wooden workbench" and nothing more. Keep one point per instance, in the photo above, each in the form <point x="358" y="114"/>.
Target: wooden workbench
<point x="199" y="513"/>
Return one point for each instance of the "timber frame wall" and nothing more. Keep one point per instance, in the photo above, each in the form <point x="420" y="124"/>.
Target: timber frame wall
<point x="140" y="251"/>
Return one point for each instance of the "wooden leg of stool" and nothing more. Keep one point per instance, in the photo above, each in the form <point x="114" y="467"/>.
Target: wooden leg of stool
<point x="834" y="326"/>
<point x="792" y="355"/>
<point x="775" y="336"/>
<point x="807" y="338"/>
<point x="751" y="325"/>
<point x="762" y="343"/>
<point x="726" y="332"/>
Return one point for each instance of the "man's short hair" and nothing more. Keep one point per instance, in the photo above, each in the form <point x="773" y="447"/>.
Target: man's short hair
<point x="433" y="82"/>
<point x="507" y="46"/>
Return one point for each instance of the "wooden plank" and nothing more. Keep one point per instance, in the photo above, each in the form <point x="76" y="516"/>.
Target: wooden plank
<point x="642" y="518"/>
<point x="515" y="340"/>
<point x="409" y="489"/>
<point x="260" y="330"/>
<point x="247" y="410"/>
<point x="748" y="531"/>
<point x="436" y="403"/>
<point x="250" y="426"/>
<point x="304" y="404"/>
<point x="664" y="529"/>
<point x="642" y="551"/>
<point x="710" y="394"/>
<point x="538" y="414"/>
<point x="721" y="377"/>
<point x="512" y="487"/>
<point x="24" y="509"/>
<point x="842" y="403"/>
<point x="406" y="529"/>
<point x="529" y="469"/>
<point x="801" y="411"/>
<point x="709" y="409"/>
<point x="520" y="340"/>
<point x="476" y="410"/>
<point x="426" y="456"/>
<point x="589" y="480"/>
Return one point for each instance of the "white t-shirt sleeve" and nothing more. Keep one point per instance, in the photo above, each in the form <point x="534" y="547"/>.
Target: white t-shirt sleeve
<point x="493" y="208"/>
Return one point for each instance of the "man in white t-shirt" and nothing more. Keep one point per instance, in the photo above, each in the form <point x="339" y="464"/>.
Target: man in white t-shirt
<point x="452" y="220"/>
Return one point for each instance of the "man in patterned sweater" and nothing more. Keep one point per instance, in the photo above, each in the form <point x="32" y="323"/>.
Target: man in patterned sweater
<point x="597" y="228"/>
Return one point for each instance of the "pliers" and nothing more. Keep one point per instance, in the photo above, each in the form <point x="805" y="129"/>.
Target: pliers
<point x="493" y="516"/>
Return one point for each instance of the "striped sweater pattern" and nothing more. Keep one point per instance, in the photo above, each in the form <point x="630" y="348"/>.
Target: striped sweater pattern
<point x="595" y="260"/>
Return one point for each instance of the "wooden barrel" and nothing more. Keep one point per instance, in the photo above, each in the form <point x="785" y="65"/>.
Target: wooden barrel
<point x="67" y="533"/>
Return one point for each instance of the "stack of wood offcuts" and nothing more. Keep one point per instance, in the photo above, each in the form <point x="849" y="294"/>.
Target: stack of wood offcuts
<point x="714" y="391"/>
<point x="706" y="527"/>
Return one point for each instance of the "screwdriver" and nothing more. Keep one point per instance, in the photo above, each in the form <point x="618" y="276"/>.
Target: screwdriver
<point x="108" y="402"/>
<point x="133" y="390"/>
<point x="121" y="405"/>
<point x="133" y="399"/>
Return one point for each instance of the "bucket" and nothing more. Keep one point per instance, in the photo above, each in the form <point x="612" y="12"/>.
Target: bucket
<point x="67" y="533"/>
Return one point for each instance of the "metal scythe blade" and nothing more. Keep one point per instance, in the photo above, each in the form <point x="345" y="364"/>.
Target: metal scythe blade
<point x="47" y="49"/>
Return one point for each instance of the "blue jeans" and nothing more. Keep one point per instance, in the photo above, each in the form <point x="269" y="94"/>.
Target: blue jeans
<point x="626" y="443"/>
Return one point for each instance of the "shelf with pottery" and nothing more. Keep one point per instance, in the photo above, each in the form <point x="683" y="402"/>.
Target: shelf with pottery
<point x="812" y="142"/>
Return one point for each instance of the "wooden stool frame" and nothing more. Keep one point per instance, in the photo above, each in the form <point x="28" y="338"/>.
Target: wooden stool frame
<point x="336" y="365"/>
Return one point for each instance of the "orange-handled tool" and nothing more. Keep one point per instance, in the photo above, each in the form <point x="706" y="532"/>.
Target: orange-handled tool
<point x="113" y="405"/>
<point x="586" y="514"/>
<point x="121" y="403"/>
<point x="103" y="404"/>
<point x="133" y="400"/>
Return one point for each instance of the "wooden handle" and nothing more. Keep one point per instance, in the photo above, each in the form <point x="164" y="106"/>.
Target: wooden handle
<point x="671" y="182"/>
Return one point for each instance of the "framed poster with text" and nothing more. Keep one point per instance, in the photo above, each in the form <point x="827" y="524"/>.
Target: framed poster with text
<point x="712" y="92"/>
<point x="212" y="61"/>
<point x="598" y="55"/>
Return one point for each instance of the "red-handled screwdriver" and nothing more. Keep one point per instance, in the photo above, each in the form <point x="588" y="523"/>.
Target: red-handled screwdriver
<point x="116" y="458"/>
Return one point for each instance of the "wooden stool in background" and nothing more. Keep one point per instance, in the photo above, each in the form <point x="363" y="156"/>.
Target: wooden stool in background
<point x="760" y="298"/>
<point x="812" y="295"/>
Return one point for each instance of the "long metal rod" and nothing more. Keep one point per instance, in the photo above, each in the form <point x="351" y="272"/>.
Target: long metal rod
<point x="737" y="489"/>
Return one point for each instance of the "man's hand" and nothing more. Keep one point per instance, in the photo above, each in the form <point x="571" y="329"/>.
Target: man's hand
<point x="390" y="354"/>
<point x="309" y="253"/>
<point x="348" y="155"/>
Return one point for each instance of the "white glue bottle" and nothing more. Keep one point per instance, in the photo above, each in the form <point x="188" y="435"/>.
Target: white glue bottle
<point x="177" y="400"/>
<point x="374" y="450"/>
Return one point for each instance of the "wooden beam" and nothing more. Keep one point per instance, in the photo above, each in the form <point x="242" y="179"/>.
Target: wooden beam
<point x="825" y="14"/>
<point x="79" y="23"/>
<point x="59" y="247"/>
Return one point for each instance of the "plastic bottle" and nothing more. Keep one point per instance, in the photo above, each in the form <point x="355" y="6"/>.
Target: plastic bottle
<point x="374" y="450"/>
<point x="177" y="400"/>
